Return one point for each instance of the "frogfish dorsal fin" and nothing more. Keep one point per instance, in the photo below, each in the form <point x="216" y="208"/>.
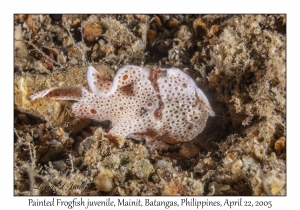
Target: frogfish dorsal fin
<point x="99" y="84"/>
<point x="104" y="87"/>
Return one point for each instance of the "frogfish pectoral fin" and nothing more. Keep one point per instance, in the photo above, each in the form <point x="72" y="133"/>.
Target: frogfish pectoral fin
<point x="60" y="93"/>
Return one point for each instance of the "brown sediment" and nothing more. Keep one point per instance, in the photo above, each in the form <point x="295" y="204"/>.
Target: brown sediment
<point x="158" y="111"/>
<point x="153" y="77"/>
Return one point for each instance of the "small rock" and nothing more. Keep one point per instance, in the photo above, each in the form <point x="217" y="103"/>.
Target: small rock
<point x="118" y="140"/>
<point x="236" y="167"/>
<point x="151" y="34"/>
<point x="188" y="150"/>
<point x="213" y="29"/>
<point x="200" y="27"/>
<point x="172" y="23"/>
<point x="216" y="188"/>
<point x="184" y="33"/>
<point x="56" y="17"/>
<point x="104" y="180"/>
<point x="32" y="22"/>
<point x="92" y="31"/>
<point x="85" y="145"/>
<point x="280" y="147"/>
<point x="59" y="165"/>
<point x="21" y="17"/>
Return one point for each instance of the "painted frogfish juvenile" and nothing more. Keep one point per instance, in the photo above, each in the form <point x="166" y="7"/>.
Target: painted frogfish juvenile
<point x="143" y="104"/>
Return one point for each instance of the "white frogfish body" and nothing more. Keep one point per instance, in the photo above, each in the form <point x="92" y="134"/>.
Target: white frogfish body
<point x="151" y="104"/>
